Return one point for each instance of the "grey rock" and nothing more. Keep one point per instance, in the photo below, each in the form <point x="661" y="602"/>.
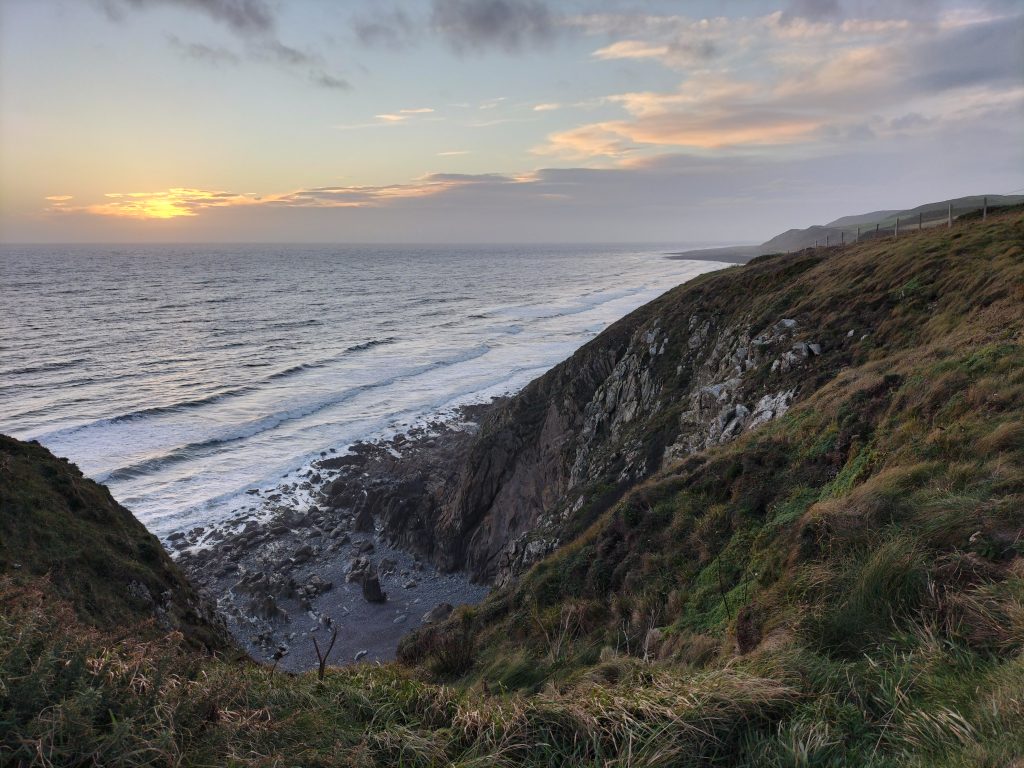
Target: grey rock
<point x="438" y="613"/>
<point x="371" y="590"/>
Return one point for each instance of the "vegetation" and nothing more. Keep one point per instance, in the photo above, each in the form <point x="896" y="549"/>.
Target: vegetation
<point x="843" y="586"/>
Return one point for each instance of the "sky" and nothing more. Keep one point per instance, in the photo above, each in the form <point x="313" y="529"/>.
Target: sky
<point x="497" y="120"/>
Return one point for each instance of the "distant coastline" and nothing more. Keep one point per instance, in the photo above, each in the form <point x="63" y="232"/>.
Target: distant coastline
<point x="733" y="254"/>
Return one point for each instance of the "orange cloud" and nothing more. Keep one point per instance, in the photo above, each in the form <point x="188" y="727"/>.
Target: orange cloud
<point x="183" y="202"/>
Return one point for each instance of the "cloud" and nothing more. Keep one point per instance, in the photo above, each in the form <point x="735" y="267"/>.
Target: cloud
<point x="769" y="82"/>
<point x="812" y="10"/>
<point x="325" y="80"/>
<point x="208" y="54"/>
<point x="179" y="202"/>
<point x="243" y="17"/>
<point x="508" y="25"/>
<point x="392" y="29"/>
<point x="252" y="21"/>
<point x="676" y="54"/>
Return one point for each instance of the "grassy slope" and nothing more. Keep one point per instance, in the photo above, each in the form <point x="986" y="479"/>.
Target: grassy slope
<point x="57" y="524"/>
<point x="843" y="586"/>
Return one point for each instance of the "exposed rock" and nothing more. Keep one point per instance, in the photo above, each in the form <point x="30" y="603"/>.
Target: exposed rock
<point x="372" y="591"/>
<point x="266" y="608"/>
<point x="303" y="554"/>
<point x="438" y="613"/>
<point x="358" y="569"/>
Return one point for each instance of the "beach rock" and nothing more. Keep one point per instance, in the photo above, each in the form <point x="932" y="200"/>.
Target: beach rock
<point x="268" y="609"/>
<point x="363" y="547"/>
<point x="358" y="569"/>
<point x="372" y="591"/>
<point x="316" y="586"/>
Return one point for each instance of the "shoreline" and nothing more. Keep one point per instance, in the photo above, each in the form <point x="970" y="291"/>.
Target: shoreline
<point x="289" y="570"/>
<point x="730" y="254"/>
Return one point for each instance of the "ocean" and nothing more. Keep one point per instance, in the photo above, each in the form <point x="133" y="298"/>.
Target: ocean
<point x="183" y="376"/>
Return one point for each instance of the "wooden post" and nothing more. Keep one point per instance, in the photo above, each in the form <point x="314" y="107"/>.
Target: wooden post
<point x="858" y="235"/>
<point x="920" y="218"/>
<point x="826" y="240"/>
<point x="842" y="238"/>
<point x="896" y="231"/>
<point x="984" y="208"/>
<point x="949" y="217"/>
<point x="322" y="656"/>
<point x="815" y="243"/>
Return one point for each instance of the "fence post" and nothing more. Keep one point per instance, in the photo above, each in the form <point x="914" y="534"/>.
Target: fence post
<point x="949" y="217"/>
<point x="920" y="218"/>
<point x="896" y="231"/>
<point x="842" y="238"/>
<point x="858" y="235"/>
<point x="826" y="240"/>
<point x="984" y="208"/>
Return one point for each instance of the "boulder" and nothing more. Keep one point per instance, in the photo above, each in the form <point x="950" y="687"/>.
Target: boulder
<point x="372" y="591"/>
<point x="267" y="608"/>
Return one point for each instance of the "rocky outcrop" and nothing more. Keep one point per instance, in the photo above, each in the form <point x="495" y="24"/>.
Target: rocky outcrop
<point x="694" y="369"/>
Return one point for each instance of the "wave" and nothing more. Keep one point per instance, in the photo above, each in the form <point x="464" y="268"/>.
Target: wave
<point x="371" y="344"/>
<point x="295" y="324"/>
<point x="216" y="397"/>
<point x="202" y="448"/>
<point x="45" y="367"/>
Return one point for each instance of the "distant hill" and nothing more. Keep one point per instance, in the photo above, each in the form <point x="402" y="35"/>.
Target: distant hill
<point x="861" y="219"/>
<point x="858" y="226"/>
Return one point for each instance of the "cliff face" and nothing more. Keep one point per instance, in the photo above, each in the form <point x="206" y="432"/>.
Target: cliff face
<point x="61" y="527"/>
<point x="704" y="364"/>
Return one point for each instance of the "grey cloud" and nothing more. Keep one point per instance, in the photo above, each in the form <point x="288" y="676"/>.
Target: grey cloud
<point x="701" y="50"/>
<point x="208" y="54"/>
<point x="987" y="53"/>
<point x="812" y="10"/>
<point x="244" y="17"/>
<point x="251" y="20"/>
<point x="831" y="10"/>
<point x="286" y="54"/>
<point x="509" y="25"/>
<point x="325" y="80"/>
<point x="387" y="29"/>
<point x="909" y="121"/>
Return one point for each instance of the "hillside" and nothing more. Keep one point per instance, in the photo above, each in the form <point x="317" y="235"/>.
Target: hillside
<point x="772" y="518"/>
<point x="59" y="526"/>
